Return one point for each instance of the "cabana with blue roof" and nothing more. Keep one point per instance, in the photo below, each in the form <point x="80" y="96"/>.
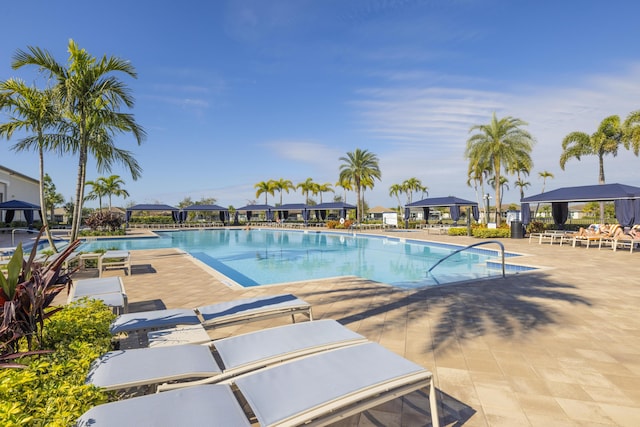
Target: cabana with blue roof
<point x="625" y="197"/>
<point x="11" y="206"/>
<point x="453" y="203"/>
<point x="224" y="212"/>
<point x="175" y="212"/>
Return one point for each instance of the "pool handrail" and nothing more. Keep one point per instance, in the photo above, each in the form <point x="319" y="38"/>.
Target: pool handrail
<point x="469" y="247"/>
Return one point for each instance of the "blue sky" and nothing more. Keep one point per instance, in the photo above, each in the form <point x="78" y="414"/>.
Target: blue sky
<point x="232" y="93"/>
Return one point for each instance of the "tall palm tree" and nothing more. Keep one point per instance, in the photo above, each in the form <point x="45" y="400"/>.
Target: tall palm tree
<point x="395" y="191"/>
<point x="112" y="187"/>
<point x="631" y="129"/>
<point x="266" y="188"/>
<point x="307" y="186"/>
<point x="521" y="184"/>
<point x="324" y="188"/>
<point x="605" y="140"/>
<point x="283" y="185"/>
<point x="411" y="185"/>
<point x="346" y="186"/>
<point x="522" y="168"/>
<point x="504" y="183"/>
<point x="51" y="197"/>
<point x="477" y="172"/>
<point x="360" y="168"/>
<point x="544" y="175"/>
<point x="499" y="144"/>
<point x="98" y="191"/>
<point x="92" y="98"/>
<point x="34" y="111"/>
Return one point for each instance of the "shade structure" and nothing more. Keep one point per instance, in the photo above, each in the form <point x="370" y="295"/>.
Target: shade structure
<point x="224" y="212"/>
<point x="11" y="206"/>
<point x="626" y="198"/>
<point x="249" y="209"/>
<point x="452" y="202"/>
<point x="343" y="207"/>
<point x="175" y="212"/>
<point x="284" y="210"/>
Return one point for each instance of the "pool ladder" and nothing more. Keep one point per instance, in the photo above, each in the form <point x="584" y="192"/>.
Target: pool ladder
<point x="469" y="247"/>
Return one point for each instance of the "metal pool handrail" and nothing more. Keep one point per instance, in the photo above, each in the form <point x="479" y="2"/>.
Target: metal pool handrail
<point x="472" y="246"/>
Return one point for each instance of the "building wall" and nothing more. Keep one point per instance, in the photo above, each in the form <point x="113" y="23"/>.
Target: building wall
<point x="16" y="186"/>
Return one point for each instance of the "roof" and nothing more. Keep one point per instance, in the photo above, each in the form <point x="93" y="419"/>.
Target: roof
<point x="152" y="207"/>
<point x="204" y="208"/>
<point x="441" y="201"/>
<point x="256" y="208"/>
<point x="333" y="205"/>
<point x="19" y="204"/>
<point x="16" y="173"/>
<point x="587" y="193"/>
<point x="380" y="209"/>
<point x="291" y="207"/>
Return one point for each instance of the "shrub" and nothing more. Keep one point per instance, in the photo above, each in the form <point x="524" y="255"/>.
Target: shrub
<point x="106" y="220"/>
<point x="336" y="224"/>
<point x="50" y="390"/>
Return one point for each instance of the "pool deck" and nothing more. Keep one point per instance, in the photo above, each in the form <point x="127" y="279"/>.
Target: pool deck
<point x="559" y="346"/>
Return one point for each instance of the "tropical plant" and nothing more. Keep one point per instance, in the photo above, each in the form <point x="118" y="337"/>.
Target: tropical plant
<point x="359" y="168"/>
<point x="544" y="175"/>
<point x="411" y="185"/>
<point x="504" y="184"/>
<point x="346" y="186"/>
<point x="395" y="191"/>
<point x="323" y="188"/>
<point x="34" y="111"/>
<point x="307" y="186"/>
<point x="521" y="167"/>
<point x="631" y="129"/>
<point x="105" y="220"/>
<point x="112" y="187"/>
<point x="283" y="185"/>
<point x="266" y="188"/>
<point x="477" y="173"/>
<point x="91" y="98"/>
<point x="605" y="140"/>
<point x="499" y="144"/>
<point x="521" y="184"/>
<point x="97" y="192"/>
<point x="26" y="294"/>
<point x="51" y="197"/>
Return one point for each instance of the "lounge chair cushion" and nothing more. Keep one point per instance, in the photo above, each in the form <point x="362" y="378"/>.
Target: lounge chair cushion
<point x="213" y="405"/>
<point x="154" y="319"/>
<point x="245" y="308"/>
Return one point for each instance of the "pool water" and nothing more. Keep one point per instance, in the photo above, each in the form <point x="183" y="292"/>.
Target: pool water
<point x="264" y="256"/>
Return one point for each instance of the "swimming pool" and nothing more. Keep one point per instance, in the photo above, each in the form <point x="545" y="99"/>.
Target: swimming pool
<point x="265" y="256"/>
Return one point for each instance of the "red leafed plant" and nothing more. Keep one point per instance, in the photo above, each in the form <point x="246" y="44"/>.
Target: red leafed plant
<point x="26" y="293"/>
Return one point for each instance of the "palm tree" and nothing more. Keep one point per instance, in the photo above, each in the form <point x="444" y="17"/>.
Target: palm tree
<point x="283" y="185"/>
<point x="504" y="183"/>
<point x="34" y="111"/>
<point x="51" y="197"/>
<point x="324" y="188"/>
<point x="395" y="191"/>
<point x="544" y="175"/>
<point x="605" y="140"/>
<point x="266" y="188"/>
<point x="111" y="185"/>
<point x="98" y="191"/>
<point x="631" y="128"/>
<point x="410" y="185"/>
<point x="307" y="186"/>
<point x="92" y="98"/>
<point x="360" y="168"/>
<point x="522" y="185"/>
<point x="500" y="143"/>
<point x="521" y="167"/>
<point x="346" y="186"/>
<point x="477" y="173"/>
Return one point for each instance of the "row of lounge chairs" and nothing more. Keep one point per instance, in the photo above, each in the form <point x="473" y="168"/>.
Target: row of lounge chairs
<point x="308" y="373"/>
<point x="614" y="238"/>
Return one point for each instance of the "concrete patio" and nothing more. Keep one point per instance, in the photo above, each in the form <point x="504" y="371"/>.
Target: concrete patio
<point x="558" y="346"/>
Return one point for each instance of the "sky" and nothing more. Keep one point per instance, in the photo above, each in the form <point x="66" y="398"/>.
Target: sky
<point x="233" y="93"/>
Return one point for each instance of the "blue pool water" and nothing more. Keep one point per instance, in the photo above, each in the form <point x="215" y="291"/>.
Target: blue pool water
<point x="260" y="257"/>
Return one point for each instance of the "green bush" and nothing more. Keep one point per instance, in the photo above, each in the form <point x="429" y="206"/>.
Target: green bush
<point x="51" y="391"/>
<point x="491" y="233"/>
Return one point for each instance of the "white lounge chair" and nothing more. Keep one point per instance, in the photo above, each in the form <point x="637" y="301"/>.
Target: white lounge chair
<point x="220" y="359"/>
<point x="115" y="260"/>
<point x="109" y="290"/>
<point x="321" y="389"/>
<point x="215" y="315"/>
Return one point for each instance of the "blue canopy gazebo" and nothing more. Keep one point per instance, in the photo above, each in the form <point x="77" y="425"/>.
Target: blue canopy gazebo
<point x="223" y="212"/>
<point x="11" y="206"/>
<point x="626" y="199"/>
<point x="285" y="209"/>
<point x="322" y="209"/>
<point x="452" y="202"/>
<point x="175" y="212"/>
<point x="250" y="209"/>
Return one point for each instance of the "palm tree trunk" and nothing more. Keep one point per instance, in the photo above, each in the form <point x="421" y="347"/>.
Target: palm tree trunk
<point x="77" y="214"/>
<point x="601" y="181"/>
<point x="43" y="208"/>
<point x="498" y="195"/>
